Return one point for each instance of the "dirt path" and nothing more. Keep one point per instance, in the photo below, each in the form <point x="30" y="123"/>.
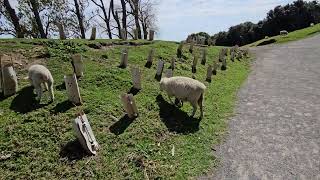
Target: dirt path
<point x="275" y="133"/>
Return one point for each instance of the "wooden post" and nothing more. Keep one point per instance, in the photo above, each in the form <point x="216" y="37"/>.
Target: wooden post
<point x="209" y="73"/>
<point x="191" y="46"/>
<point x="8" y="76"/>
<point x="85" y="134"/>
<point x="77" y="64"/>
<point x="93" y="33"/>
<point x="136" y="78"/>
<point x="129" y="105"/>
<point x="150" y="58"/>
<point x="169" y="73"/>
<point x="159" y="70"/>
<point x="172" y="65"/>
<point x="72" y="89"/>
<point x="135" y="32"/>
<point x="194" y="64"/>
<point x="151" y="35"/>
<point x="204" y="57"/>
<point x="124" y="58"/>
<point x="61" y="31"/>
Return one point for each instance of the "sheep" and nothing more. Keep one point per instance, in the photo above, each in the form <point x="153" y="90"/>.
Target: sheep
<point x="184" y="89"/>
<point x="38" y="74"/>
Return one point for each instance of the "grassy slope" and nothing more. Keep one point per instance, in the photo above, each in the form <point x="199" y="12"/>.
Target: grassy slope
<point x="37" y="139"/>
<point x="292" y="36"/>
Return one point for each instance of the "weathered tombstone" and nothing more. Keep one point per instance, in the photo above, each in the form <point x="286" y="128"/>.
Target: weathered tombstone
<point x="123" y="34"/>
<point x="215" y="67"/>
<point x="172" y="65"/>
<point x="159" y="70"/>
<point x="129" y="105"/>
<point x="204" y="57"/>
<point x="136" y="78"/>
<point x="239" y="55"/>
<point x="84" y="134"/>
<point x="312" y="24"/>
<point x="232" y="56"/>
<point x="221" y="55"/>
<point x="61" y="31"/>
<point x="169" y="73"/>
<point x="209" y="73"/>
<point x="179" y="50"/>
<point x="72" y="89"/>
<point x="9" y="78"/>
<point x="93" y="33"/>
<point x="124" y="58"/>
<point x="191" y="46"/>
<point x="284" y="33"/>
<point x="224" y="64"/>
<point x="77" y="64"/>
<point x="194" y="64"/>
<point x="135" y="34"/>
<point x="151" y="35"/>
<point x="150" y="58"/>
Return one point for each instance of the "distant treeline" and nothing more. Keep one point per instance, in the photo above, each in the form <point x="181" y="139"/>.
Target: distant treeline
<point x="300" y="14"/>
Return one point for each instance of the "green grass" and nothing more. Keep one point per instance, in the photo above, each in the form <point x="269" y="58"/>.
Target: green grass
<point x="292" y="36"/>
<point x="37" y="138"/>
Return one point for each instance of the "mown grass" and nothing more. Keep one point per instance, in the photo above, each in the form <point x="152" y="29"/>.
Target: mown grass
<point x="42" y="143"/>
<point x="292" y="36"/>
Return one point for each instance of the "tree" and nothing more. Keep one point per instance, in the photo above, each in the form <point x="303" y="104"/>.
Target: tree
<point x="134" y="4"/>
<point x="147" y="16"/>
<point x="80" y="16"/>
<point x="14" y="19"/>
<point x="105" y="16"/>
<point x="34" y="5"/>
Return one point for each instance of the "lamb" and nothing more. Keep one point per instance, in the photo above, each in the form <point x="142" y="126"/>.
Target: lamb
<point x="38" y="74"/>
<point x="185" y="89"/>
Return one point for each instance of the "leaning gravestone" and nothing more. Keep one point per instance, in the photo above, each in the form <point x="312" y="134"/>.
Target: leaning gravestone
<point x="150" y="58"/>
<point x="204" y="57"/>
<point x="209" y="73"/>
<point x="136" y="78"/>
<point x="93" y="33"/>
<point x="151" y="35"/>
<point x="9" y="80"/>
<point x="61" y="31"/>
<point x="194" y="64"/>
<point x="85" y="134"/>
<point x="169" y="73"/>
<point x="77" y="64"/>
<point x="159" y="70"/>
<point x="129" y="105"/>
<point x="124" y="58"/>
<point x="72" y="89"/>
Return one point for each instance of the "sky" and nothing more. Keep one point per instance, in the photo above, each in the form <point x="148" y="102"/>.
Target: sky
<point x="179" y="18"/>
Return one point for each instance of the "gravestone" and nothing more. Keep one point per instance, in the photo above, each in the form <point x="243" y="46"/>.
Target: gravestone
<point x="169" y="73"/>
<point x="129" y="105"/>
<point x="215" y="67"/>
<point x="72" y="88"/>
<point x="194" y="64"/>
<point x="85" y="134"/>
<point x="232" y="56"/>
<point x="151" y="35"/>
<point x="124" y="58"/>
<point x="204" y="57"/>
<point x="123" y="34"/>
<point x="191" y="46"/>
<point x="224" y="64"/>
<point x="150" y="58"/>
<point x="9" y="80"/>
<point x="159" y="70"/>
<point x="135" y="34"/>
<point x="93" y="33"/>
<point x="61" y="31"/>
<point x="173" y="64"/>
<point x="136" y="78"/>
<point x="179" y="50"/>
<point x="209" y="74"/>
<point x="77" y="64"/>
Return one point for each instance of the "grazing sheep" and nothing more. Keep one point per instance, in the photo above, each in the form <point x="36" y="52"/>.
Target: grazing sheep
<point x="38" y="74"/>
<point x="185" y="89"/>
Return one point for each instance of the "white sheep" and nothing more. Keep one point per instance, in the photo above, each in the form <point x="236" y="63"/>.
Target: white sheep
<point x="38" y="74"/>
<point x="184" y="89"/>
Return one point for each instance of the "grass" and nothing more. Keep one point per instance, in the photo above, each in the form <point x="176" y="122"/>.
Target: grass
<point x="292" y="36"/>
<point x="41" y="141"/>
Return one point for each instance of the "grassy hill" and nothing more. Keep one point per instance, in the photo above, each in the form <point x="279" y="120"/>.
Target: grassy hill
<point x="292" y="36"/>
<point x="39" y="142"/>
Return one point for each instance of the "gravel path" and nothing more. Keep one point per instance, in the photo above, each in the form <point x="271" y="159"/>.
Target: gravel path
<point x="275" y="133"/>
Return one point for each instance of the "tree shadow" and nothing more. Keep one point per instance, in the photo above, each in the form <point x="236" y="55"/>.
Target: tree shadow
<point x="133" y="91"/>
<point x="73" y="151"/>
<point x="120" y="126"/>
<point x="175" y="119"/>
<point x="25" y="101"/>
<point x="62" y="107"/>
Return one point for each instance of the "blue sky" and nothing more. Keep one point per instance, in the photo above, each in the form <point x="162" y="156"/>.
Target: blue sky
<point x="178" y="18"/>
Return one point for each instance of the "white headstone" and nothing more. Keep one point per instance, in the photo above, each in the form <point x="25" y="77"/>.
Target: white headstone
<point x="169" y="73"/>
<point x="129" y="105"/>
<point x="77" y="64"/>
<point x="72" y="88"/>
<point x="8" y="76"/>
<point x="124" y="58"/>
<point x="136" y="77"/>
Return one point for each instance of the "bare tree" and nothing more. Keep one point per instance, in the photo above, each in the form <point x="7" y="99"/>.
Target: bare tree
<point x="34" y="4"/>
<point x="147" y="16"/>
<point x="13" y="18"/>
<point x="105" y="16"/>
<point x="116" y="18"/>
<point x="134" y="4"/>
<point x="80" y="15"/>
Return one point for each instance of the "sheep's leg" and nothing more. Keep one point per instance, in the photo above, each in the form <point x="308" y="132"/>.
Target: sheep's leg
<point x="200" y="103"/>
<point x="195" y="106"/>
<point x="39" y="91"/>
<point x="50" y="84"/>
<point x="46" y="86"/>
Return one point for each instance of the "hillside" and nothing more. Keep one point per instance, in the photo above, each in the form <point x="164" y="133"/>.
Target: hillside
<point x="38" y="141"/>
<point x="292" y="36"/>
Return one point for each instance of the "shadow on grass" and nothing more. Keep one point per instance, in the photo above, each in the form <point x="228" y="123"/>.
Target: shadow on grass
<point x="25" y="101"/>
<point x="175" y="119"/>
<point x="62" y="107"/>
<point x="73" y="151"/>
<point x="120" y="126"/>
<point x="133" y="91"/>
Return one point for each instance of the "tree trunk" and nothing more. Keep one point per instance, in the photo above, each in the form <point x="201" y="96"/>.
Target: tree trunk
<point x="14" y="19"/>
<point x="124" y="15"/>
<point x="116" y="18"/>
<point x="135" y="11"/>
<point x="80" y="19"/>
<point x="35" y="10"/>
<point x="106" y="19"/>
